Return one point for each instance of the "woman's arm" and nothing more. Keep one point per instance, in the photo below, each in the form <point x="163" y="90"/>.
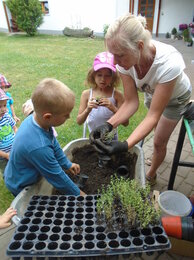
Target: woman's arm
<point x="160" y="99"/>
<point x="130" y="104"/>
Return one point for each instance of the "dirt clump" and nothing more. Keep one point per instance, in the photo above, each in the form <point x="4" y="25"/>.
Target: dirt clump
<point x="87" y="158"/>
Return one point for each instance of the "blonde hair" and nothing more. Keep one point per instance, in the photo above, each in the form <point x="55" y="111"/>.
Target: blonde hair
<point x="126" y="32"/>
<point x="90" y="79"/>
<point x="52" y="96"/>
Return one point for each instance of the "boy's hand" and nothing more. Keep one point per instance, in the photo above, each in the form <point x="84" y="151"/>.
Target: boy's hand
<point x="5" y="219"/>
<point x="16" y="119"/>
<point x="74" y="169"/>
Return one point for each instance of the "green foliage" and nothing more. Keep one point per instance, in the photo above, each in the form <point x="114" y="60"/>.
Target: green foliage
<point x="174" y="31"/>
<point x="167" y="35"/>
<point x="186" y="34"/>
<point x="135" y="202"/>
<point x="27" y="13"/>
<point x="105" y="28"/>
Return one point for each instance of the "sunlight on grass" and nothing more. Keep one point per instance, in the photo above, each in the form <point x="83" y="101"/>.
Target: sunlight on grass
<point x="27" y="60"/>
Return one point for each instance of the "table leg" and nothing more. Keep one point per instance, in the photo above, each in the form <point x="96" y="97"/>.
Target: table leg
<point x="177" y="156"/>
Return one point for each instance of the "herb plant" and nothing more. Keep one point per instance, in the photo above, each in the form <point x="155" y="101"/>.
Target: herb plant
<point x="127" y="203"/>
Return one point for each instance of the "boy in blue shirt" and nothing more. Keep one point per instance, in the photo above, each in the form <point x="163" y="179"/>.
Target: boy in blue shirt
<point x="36" y="152"/>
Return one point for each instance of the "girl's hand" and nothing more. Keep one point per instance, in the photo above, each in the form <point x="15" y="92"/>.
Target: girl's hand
<point x="107" y="103"/>
<point x="75" y="169"/>
<point x="5" y="219"/>
<point x="92" y="104"/>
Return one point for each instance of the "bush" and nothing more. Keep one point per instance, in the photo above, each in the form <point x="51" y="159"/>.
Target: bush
<point x="105" y="29"/>
<point x="27" y="13"/>
<point x="167" y="35"/>
<point x="186" y="34"/>
<point x="174" y="31"/>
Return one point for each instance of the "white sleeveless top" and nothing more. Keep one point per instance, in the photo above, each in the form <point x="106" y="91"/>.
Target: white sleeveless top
<point x="100" y="115"/>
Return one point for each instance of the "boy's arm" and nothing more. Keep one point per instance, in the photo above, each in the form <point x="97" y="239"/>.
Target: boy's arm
<point x="45" y="162"/>
<point x="15" y="129"/>
<point x="4" y="155"/>
<point x="13" y="114"/>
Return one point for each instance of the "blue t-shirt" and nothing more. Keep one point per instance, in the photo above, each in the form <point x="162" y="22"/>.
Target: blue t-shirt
<point x="9" y="103"/>
<point x="35" y="153"/>
<point x="7" y="133"/>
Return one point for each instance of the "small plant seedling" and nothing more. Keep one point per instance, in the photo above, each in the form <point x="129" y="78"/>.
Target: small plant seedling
<point x="127" y="203"/>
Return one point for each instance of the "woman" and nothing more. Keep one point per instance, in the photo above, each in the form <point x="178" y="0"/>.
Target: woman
<point x="152" y="67"/>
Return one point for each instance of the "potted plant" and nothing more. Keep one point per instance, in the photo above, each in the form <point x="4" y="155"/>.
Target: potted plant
<point x="182" y="27"/>
<point x="186" y="35"/>
<point x="189" y="42"/>
<point x="173" y="33"/>
<point x="167" y="35"/>
<point x="126" y="204"/>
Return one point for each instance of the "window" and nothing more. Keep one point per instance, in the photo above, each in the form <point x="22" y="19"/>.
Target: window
<point x="45" y="7"/>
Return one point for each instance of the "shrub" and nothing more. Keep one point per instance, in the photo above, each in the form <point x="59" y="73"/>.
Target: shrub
<point x="186" y="34"/>
<point x="174" y="31"/>
<point x="27" y="13"/>
<point x="167" y="35"/>
<point x="105" y="28"/>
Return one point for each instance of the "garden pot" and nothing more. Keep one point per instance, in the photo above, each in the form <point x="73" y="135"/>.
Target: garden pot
<point x="44" y="188"/>
<point x="179" y="227"/>
<point x="174" y="203"/>
<point x="122" y="171"/>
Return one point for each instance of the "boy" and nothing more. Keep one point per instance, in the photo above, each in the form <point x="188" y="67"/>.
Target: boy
<point x="7" y="128"/>
<point x="35" y="151"/>
<point x="4" y="85"/>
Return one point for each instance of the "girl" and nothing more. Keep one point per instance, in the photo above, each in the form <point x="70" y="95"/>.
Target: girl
<point x="99" y="103"/>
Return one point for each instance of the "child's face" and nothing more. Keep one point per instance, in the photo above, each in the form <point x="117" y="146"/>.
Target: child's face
<point x="103" y="78"/>
<point x="3" y="107"/>
<point x="59" y="119"/>
<point x="4" y="88"/>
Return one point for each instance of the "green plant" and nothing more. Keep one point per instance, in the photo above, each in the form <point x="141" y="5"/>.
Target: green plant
<point x="127" y="198"/>
<point x="105" y="28"/>
<point x="167" y="35"/>
<point x="28" y="14"/>
<point x="174" y="31"/>
<point x="186" y="34"/>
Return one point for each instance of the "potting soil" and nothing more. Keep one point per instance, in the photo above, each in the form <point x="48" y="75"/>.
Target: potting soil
<point x="87" y="158"/>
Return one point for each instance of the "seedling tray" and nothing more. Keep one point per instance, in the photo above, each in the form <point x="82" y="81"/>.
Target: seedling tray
<point x="68" y="226"/>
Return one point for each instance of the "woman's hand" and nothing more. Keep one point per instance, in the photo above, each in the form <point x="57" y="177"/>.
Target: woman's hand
<point x="5" y="219"/>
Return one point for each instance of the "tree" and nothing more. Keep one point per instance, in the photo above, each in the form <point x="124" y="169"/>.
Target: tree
<point x="27" y="13"/>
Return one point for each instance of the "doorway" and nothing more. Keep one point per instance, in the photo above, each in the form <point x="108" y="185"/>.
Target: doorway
<point x="146" y="8"/>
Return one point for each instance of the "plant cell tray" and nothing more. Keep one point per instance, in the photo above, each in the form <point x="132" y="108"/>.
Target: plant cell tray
<point x="68" y="226"/>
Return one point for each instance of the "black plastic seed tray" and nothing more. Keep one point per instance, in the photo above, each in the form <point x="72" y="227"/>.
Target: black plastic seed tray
<point x="68" y="226"/>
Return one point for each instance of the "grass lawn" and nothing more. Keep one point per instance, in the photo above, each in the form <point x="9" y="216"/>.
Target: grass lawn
<point x="27" y="60"/>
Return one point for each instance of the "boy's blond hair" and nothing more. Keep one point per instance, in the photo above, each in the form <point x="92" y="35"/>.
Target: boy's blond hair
<point x="52" y="96"/>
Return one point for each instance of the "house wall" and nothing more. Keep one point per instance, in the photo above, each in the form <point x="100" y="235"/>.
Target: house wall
<point x="95" y="14"/>
<point x="79" y="14"/>
<point x="175" y="12"/>
<point x="3" y="21"/>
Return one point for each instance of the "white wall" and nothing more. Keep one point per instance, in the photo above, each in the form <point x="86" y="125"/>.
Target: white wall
<point x="86" y="13"/>
<point x="175" y="12"/>
<point x="3" y="21"/>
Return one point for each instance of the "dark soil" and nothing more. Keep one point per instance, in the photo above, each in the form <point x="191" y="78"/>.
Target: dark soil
<point x="87" y="158"/>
